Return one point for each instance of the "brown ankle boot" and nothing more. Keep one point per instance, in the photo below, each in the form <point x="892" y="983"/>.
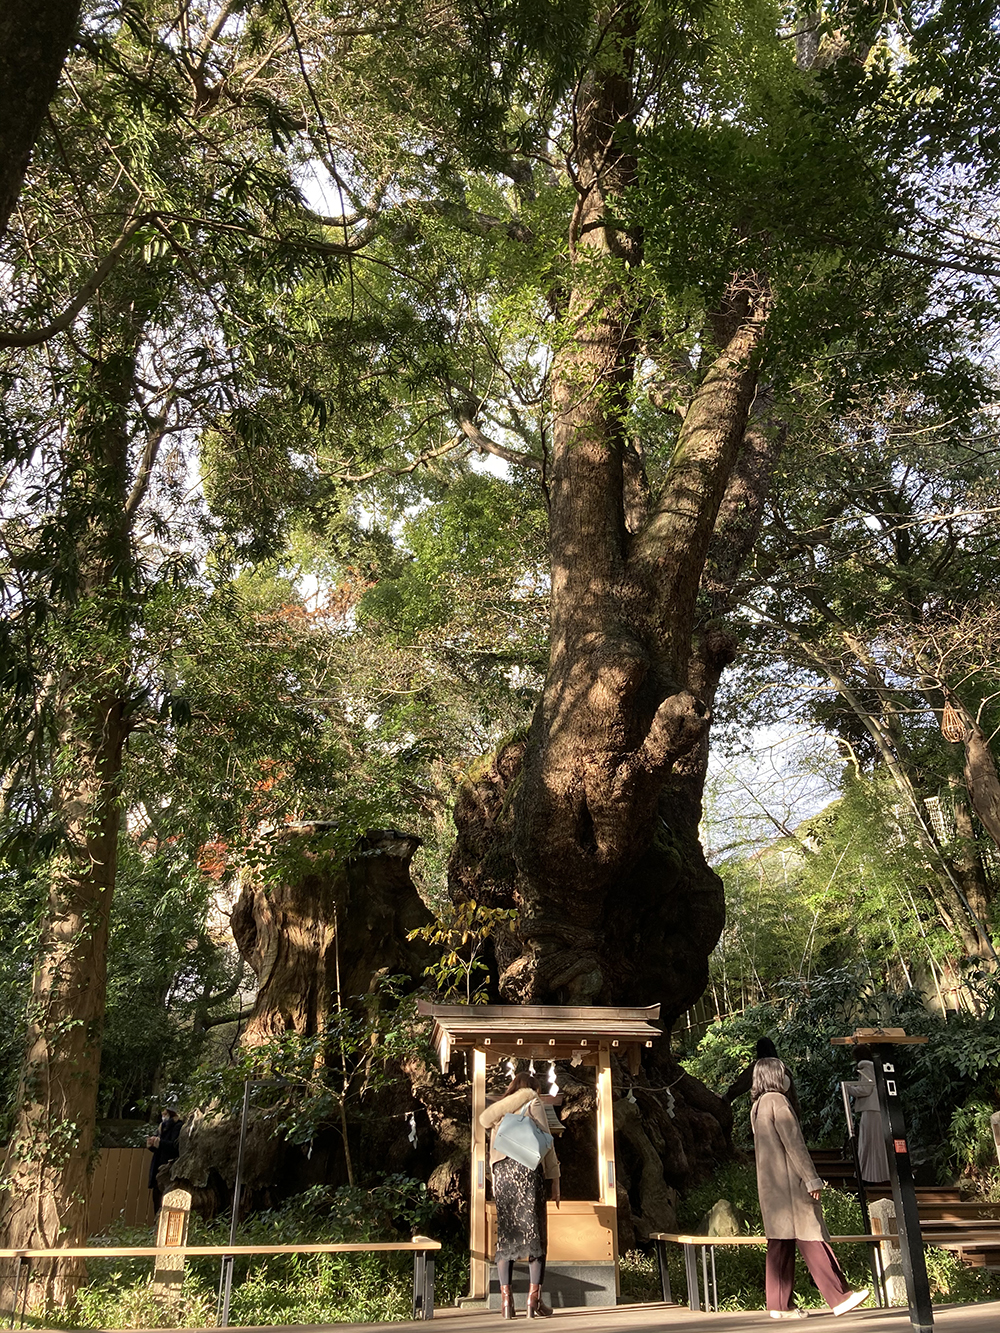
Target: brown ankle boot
<point x="506" y="1304"/>
<point x="537" y="1309"/>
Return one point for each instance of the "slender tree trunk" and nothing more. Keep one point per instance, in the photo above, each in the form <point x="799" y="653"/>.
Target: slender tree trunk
<point x="946" y="892"/>
<point x="50" y="1152"/>
<point x="968" y="862"/>
<point x="35" y="38"/>
<point x="50" y="1156"/>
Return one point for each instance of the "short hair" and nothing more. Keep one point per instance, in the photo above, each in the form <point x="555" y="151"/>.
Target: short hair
<point x="522" y="1079"/>
<point x="766" y="1049"/>
<point x="769" y="1075"/>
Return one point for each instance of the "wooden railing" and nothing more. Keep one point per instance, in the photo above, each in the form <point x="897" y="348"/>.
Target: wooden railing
<point x="422" y="1249"/>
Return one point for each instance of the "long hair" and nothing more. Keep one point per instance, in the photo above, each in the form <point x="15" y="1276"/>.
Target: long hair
<point x="769" y="1075"/>
<point x="522" y="1080"/>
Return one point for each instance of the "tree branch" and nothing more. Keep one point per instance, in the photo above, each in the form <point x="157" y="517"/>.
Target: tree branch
<point x="153" y="441"/>
<point x="484" y="445"/>
<point x="32" y="337"/>
<point x="446" y="448"/>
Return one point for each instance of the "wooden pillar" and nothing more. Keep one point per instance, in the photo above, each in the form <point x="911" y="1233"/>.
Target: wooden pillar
<point x="171" y="1232"/>
<point x="607" y="1185"/>
<point x="479" y="1268"/>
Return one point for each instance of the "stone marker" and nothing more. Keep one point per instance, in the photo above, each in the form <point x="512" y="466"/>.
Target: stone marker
<point x="723" y="1219"/>
<point x="883" y="1218"/>
<point x="171" y="1231"/>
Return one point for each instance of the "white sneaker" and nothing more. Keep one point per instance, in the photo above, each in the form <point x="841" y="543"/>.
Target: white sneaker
<point x="849" y="1302"/>
<point x="789" y="1314"/>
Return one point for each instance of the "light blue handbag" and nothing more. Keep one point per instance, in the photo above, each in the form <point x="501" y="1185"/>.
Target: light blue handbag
<point x="519" y="1136"/>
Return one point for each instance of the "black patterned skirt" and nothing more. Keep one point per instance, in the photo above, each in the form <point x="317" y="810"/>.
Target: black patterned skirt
<point x="519" y="1195"/>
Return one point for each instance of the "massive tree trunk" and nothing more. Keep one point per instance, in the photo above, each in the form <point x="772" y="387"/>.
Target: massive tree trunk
<point x="576" y="825"/>
<point x="323" y="936"/>
<point x="35" y="37"/>
<point x="49" y="1156"/>
<point x="589" y="825"/>
<point x="319" y="939"/>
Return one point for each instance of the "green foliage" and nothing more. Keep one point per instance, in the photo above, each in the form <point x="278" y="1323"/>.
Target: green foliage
<point x="460" y="933"/>
<point x="20" y="901"/>
<point x="332" y="280"/>
<point x="473" y="550"/>
<point x="310" y="1083"/>
<point x="306" y="1289"/>
<point x="162" y="969"/>
<point x="971" y="1144"/>
<point x="948" y="1084"/>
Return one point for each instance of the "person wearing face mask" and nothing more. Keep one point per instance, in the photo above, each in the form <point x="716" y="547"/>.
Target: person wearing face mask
<point x="165" y="1147"/>
<point x="789" y="1191"/>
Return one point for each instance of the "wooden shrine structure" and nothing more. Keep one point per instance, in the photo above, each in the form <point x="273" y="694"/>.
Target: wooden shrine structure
<point x="582" y="1266"/>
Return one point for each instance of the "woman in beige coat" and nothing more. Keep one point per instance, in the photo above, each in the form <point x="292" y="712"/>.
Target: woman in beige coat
<point x="519" y="1195"/>
<point x="789" y="1190"/>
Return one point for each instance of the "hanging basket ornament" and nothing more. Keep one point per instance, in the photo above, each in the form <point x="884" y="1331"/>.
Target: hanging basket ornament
<point x="952" y="725"/>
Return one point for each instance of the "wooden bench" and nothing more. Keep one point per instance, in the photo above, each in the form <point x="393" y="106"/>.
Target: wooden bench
<point x="707" y="1245"/>
<point x="422" y="1249"/>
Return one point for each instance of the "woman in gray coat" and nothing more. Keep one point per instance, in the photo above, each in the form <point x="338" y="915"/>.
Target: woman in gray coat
<point x="872" y="1156"/>
<point x="789" y="1190"/>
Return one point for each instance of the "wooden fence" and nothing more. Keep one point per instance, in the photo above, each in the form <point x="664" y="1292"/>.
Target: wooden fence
<point x="118" y="1189"/>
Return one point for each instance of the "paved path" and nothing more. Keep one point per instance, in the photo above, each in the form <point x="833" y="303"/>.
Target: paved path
<point x="656" y="1317"/>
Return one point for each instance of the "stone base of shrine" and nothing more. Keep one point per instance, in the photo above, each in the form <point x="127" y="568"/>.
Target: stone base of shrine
<point x="567" y="1285"/>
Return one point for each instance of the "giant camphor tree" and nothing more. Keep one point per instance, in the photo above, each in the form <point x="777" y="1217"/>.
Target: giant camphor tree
<point x="589" y="822"/>
<point x="596" y="243"/>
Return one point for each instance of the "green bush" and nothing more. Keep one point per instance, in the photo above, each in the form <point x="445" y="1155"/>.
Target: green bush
<point x="949" y="1086"/>
<point x="280" y="1289"/>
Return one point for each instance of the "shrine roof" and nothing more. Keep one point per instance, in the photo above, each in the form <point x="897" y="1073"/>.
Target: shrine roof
<point x="554" y="1030"/>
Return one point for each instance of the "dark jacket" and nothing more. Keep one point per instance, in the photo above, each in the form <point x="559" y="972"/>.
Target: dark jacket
<point x="742" y="1084"/>
<point x="168" y="1149"/>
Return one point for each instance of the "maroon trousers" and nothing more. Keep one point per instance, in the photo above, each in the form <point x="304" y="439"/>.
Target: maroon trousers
<point x="819" y="1259"/>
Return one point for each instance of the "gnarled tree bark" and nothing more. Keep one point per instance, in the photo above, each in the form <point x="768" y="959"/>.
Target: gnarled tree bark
<point x="575" y="825"/>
